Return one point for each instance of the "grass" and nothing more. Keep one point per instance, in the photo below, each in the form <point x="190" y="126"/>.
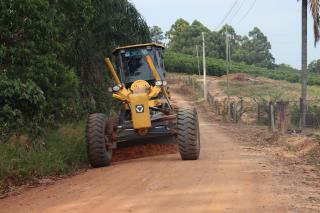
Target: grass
<point x="58" y="152"/>
<point x="269" y="90"/>
<point x="265" y="90"/>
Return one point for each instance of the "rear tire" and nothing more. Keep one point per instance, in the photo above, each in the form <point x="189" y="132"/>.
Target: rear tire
<point x="188" y="136"/>
<point x="98" y="153"/>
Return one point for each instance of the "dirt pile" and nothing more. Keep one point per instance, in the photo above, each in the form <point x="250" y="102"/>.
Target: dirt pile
<point x="238" y="77"/>
<point x="302" y="145"/>
<point x="297" y="146"/>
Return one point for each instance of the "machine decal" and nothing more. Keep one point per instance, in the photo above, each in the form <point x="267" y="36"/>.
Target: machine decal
<point x="139" y="109"/>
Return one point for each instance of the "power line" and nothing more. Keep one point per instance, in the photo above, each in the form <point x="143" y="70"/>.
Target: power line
<point x="227" y="15"/>
<point x="237" y="11"/>
<point x="247" y="13"/>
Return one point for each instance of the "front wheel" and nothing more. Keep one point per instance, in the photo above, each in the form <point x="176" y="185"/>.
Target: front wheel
<point x="188" y="136"/>
<point x="99" y="154"/>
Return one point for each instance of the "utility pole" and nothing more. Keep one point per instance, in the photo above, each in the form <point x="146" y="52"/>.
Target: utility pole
<point x="304" y="65"/>
<point x="204" y="69"/>
<point x="198" y="59"/>
<point x="228" y="67"/>
<point x="227" y="60"/>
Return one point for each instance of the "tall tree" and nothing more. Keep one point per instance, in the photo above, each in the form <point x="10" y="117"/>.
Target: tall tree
<point x="51" y="57"/>
<point x="314" y="5"/>
<point x="255" y="49"/>
<point x="184" y="36"/>
<point x="115" y="23"/>
<point x="314" y="66"/>
<point x="156" y="34"/>
<point x="217" y="42"/>
<point x="30" y="49"/>
<point x="176" y="34"/>
<point x="252" y="49"/>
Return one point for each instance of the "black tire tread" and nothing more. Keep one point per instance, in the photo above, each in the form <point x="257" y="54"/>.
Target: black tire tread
<point x="188" y="134"/>
<point x="97" y="152"/>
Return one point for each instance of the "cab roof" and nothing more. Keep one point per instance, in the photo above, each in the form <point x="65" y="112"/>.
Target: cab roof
<point x="137" y="46"/>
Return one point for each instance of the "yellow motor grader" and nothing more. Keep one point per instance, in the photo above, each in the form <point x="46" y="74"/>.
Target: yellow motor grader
<point x="146" y="114"/>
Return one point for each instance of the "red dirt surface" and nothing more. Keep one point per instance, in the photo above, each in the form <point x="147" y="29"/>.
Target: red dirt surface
<point x="142" y="151"/>
<point x="228" y="177"/>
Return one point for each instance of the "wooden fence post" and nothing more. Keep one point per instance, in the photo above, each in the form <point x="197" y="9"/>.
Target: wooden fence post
<point x="231" y="106"/>
<point x="236" y="112"/>
<point x="216" y="104"/>
<point x="233" y="112"/>
<point x="225" y="111"/>
<point x="210" y="99"/>
<point x="241" y="110"/>
<point x="271" y="111"/>
<point x="283" y="118"/>
<point x="259" y="113"/>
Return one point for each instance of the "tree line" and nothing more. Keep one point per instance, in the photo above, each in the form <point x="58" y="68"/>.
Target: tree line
<point x="252" y="49"/>
<point x="183" y="63"/>
<point x="314" y="66"/>
<point x="51" y="58"/>
<point x="183" y="37"/>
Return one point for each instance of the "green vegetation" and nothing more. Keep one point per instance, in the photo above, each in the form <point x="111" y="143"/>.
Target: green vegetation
<point x="57" y="152"/>
<point x="51" y="59"/>
<point x="314" y="66"/>
<point x="265" y="89"/>
<point x="52" y="74"/>
<point x="156" y="34"/>
<point x="251" y="49"/>
<point x="182" y="63"/>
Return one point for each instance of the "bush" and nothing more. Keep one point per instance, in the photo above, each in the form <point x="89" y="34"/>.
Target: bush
<point x="60" y="86"/>
<point x="36" y="85"/>
<point x="21" y="106"/>
<point x="58" y="152"/>
<point x="182" y="63"/>
<point x="51" y="56"/>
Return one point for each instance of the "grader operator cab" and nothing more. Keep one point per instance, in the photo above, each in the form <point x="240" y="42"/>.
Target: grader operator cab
<point x="146" y="113"/>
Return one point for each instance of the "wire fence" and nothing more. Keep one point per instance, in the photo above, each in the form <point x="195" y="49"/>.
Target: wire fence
<point x="280" y="116"/>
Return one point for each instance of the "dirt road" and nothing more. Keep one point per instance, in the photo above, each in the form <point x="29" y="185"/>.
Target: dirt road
<point x="227" y="178"/>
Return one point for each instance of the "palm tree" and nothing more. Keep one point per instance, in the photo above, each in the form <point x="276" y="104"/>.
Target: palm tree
<point x="314" y="6"/>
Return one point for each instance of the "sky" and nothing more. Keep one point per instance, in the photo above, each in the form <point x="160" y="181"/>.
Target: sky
<point x="280" y="20"/>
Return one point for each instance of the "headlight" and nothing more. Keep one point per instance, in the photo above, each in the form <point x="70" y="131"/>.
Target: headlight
<point x="116" y="88"/>
<point x="158" y="83"/>
<point x="164" y="83"/>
